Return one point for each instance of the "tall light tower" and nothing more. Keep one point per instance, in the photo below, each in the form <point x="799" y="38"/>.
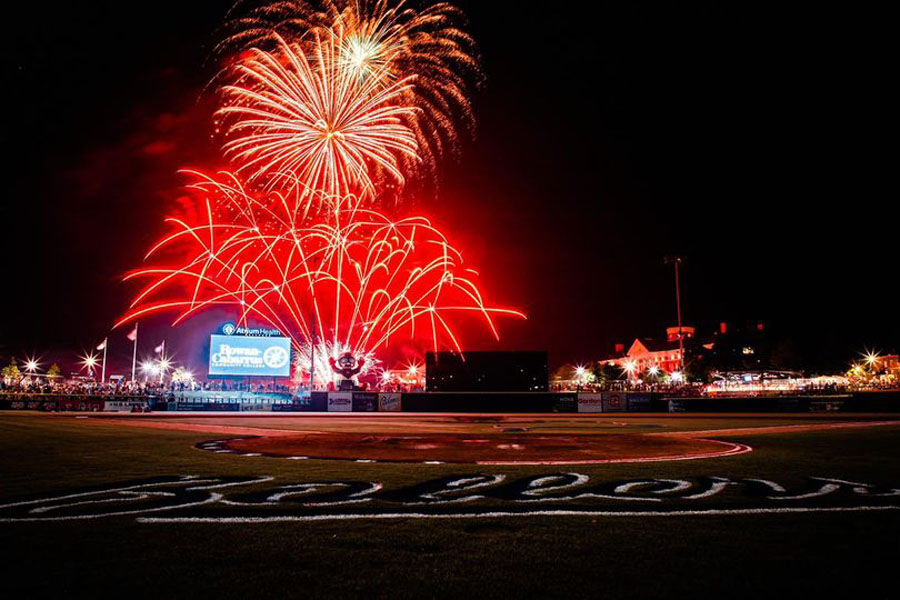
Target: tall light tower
<point x="677" y="260"/>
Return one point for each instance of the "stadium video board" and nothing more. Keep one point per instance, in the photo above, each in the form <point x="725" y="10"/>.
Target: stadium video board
<point x="249" y="356"/>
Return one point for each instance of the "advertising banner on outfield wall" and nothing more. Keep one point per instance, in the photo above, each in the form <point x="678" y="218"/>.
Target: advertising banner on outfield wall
<point x="590" y="403"/>
<point x="123" y="406"/>
<point x="639" y="402"/>
<point x="365" y="401"/>
<point x="565" y="403"/>
<point x="340" y="401"/>
<point x="389" y="402"/>
<point x="614" y="402"/>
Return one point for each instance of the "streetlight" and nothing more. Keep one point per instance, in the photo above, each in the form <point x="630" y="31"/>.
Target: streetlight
<point x="89" y="361"/>
<point x="629" y="367"/>
<point x="580" y="376"/>
<point x="163" y="365"/>
<point x="31" y="365"/>
<point x="872" y="358"/>
<point x="148" y="367"/>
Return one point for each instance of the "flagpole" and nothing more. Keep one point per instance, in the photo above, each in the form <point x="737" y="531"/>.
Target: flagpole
<point x="134" y="353"/>
<point x="103" y="368"/>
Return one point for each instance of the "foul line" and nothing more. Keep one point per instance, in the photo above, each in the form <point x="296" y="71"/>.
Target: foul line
<point x="499" y="514"/>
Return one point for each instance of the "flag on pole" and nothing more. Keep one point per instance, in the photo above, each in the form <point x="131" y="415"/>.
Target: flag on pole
<point x="160" y="348"/>
<point x="101" y="345"/>
<point x="133" y="337"/>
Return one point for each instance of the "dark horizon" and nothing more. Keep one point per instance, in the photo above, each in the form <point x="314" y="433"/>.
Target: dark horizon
<point x="747" y="140"/>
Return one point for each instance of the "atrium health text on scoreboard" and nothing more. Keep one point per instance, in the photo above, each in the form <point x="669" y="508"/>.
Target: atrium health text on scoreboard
<point x="252" y="356"/>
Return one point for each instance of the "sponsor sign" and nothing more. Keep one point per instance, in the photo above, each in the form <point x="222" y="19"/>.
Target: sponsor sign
<point x="613" y="402"/>
<point x="365" y="401"/>
<point x="639" y="402"/>
<point x="389" y="402"/>
<point x="565" y="403"/>
<point x="340" y="401"/>
<point x="287" y="407"/>
<point x="590" y="403"/>
<point x="205" y="406"/>
<point x="123" y="406"/>
<point x="250" y="356"/>
<point x="230" y="328"/>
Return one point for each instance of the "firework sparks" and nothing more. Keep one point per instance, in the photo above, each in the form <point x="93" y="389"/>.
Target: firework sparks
<point x="301" y="123"/>
<point x="385" y="41"/>
<point x="353" y="283"/>
<point x="317" y="359"/>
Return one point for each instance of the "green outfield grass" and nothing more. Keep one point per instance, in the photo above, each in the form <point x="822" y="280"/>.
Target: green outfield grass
<point x="824" y="554"/>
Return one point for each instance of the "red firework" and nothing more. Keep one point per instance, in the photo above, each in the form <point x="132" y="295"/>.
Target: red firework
<point x="354" y="283"/>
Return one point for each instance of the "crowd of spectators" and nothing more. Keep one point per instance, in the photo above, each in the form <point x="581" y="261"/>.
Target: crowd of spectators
<point x="151" y="388"/>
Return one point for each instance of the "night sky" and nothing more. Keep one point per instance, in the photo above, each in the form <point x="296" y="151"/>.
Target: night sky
<point x="754" y="140"/>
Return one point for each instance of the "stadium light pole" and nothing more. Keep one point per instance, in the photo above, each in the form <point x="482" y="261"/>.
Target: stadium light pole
<point x="677" y="260"/>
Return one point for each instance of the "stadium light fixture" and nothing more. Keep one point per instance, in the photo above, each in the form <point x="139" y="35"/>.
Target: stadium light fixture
<point x="31" y="365"/>
<point x="89" y="362"/>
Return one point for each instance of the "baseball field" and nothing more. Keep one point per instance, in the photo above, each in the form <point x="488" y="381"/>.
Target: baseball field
<point x="435" y="505"/>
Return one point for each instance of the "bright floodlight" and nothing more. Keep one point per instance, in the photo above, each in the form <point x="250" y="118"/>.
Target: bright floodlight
<point x="872" y="358"/>
<point x="31" y="365"/>
<point x="654" y="370"/>
<point x="89" y="361"/>
<point x="677" y="376"/>
<point x="149" y="367"/>
<point x="629" y="366"/>
<point x="580" y="372"/>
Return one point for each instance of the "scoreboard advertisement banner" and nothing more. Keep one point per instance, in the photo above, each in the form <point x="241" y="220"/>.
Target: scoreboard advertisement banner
<point x="249" y="356"/>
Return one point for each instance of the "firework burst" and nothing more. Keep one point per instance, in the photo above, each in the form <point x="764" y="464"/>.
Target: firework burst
<point x="387" y="41"/>
<point x="304" y="124"/>
<point x="354" y="283"/>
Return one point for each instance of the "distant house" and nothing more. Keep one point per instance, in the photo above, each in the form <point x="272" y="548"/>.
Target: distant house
<point x="645" y="353"/>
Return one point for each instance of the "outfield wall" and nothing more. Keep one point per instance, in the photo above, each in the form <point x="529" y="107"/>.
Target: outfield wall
<point x="881" y="401"/>
<point x="452" y="402"/>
